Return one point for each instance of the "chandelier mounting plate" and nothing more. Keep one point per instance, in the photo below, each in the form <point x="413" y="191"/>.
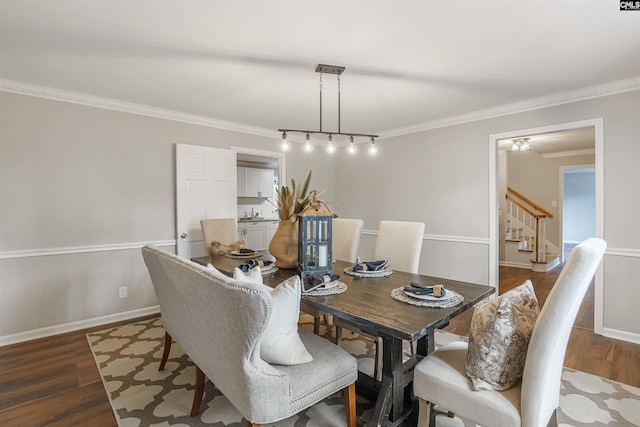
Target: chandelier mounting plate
<point x="329" y="69"/>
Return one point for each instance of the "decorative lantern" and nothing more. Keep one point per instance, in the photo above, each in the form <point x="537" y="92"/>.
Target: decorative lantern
<point x="314" y="240"/>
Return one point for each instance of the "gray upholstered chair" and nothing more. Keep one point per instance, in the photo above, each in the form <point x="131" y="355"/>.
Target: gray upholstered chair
<point x="223" y="230"/>
<point x="219" y="323"/>
<point x="441" y="377"/>
<point x="346" y="240"/>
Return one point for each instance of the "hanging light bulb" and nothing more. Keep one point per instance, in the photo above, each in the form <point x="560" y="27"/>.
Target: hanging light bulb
<point x="373" y="150"/>
<point x="515" y="146"/>
<point x="351" y="149"/>
<point x="330" y="147"/>
<point x="308" y="146"/>
<point x="525" y="144"/>
<point x="284" y="145"/>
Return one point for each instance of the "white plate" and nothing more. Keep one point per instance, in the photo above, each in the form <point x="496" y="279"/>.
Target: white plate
<point x="447" y="295"/>
<point x="238" y="253"/>
<point x="372" y="272"/>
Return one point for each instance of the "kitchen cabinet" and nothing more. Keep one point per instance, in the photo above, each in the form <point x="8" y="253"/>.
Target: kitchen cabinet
<point x="254" y="182"/>
<point x="253" y="234"/>
<point x="270" y="230"/>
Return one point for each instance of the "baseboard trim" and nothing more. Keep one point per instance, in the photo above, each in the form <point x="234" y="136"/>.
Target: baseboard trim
<point x="75" y="326"/>
<point x="621" y="335"/>
<point x="515" y="264"/>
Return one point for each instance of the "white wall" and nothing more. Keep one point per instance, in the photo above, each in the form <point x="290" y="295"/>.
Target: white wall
<point x="441" y="177"/>
<point x="76" y="179"/>
<point x="81" y="190"/>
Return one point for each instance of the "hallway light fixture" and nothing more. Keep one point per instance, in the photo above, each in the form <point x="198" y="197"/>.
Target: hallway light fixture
<point x="520" y="144"/>
<point x="308" y="146"/>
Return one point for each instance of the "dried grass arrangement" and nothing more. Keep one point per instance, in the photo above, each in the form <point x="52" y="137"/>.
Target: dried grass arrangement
<point x="292" y="201"/>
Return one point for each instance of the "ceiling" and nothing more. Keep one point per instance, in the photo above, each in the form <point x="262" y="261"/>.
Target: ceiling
<point x="253" y="62"/>
<point x="566" y="142"/>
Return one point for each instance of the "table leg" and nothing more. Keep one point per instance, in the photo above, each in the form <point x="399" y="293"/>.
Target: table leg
<point x="426" y="344"/>
<point x="390" y="401"/>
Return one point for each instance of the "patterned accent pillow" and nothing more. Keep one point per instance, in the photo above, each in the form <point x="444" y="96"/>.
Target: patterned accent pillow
<point x="499" y="338"/>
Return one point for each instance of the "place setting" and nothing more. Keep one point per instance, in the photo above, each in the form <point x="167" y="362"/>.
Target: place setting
<point x="322" y="285"/>
<point x="427" y="296"/>
<point x="266" y="267"/>
<point x="244" y="254"/>
<point x="378" y="268"/>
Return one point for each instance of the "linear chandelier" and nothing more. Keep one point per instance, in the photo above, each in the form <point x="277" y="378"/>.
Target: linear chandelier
<point x="308" y="146"/>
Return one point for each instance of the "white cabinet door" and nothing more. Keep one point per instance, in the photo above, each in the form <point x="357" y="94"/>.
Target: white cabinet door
<point x="253" y="234"/>
<point x="250" y="182"/>
<point x="240" y="180"/>
<point x="204" y="189"/>
<point x="270" y="230"/>
<point x="265" y="183"/>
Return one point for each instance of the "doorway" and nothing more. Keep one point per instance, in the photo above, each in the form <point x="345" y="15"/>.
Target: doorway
<point x="495" y="198"/>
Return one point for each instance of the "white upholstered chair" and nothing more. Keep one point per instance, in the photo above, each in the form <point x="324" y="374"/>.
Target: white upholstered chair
<point x="400" y="242"/>
<point x="200" y="311"/>
<point x="223" y="230"/>
<point x="441" y="377"/>
<point x="346" y="240"/>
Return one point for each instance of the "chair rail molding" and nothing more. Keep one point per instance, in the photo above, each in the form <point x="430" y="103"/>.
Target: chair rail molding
<point x="442" y="238"/>
<point x="28" y="253"/>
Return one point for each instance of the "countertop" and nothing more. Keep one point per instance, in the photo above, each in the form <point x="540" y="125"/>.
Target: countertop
<point x="259" y="219"/>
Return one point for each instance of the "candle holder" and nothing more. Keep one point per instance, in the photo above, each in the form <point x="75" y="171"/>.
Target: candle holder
<point x="315" y="240"/>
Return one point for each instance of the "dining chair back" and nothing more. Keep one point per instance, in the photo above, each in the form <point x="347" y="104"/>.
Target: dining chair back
<point x="441" y="377"/>
<point x="401" y="243"/>
<point x="346" y="238"/>
<point x="223" y="230"/>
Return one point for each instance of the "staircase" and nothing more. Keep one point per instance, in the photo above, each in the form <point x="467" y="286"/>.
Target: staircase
<point x="525" y="235"/>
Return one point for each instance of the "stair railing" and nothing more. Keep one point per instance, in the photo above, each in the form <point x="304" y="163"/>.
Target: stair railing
<point x="525" y="215"/>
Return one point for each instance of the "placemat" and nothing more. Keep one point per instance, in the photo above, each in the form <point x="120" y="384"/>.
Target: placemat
<point x="269" y="271"/>
<point x="398" y="294"/>
<point x="249" y="256"/>
<point x="338" y="289"/>
<point x="383" y="273"/>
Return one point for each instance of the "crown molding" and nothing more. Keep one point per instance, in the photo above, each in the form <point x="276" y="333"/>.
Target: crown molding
<point x="606" y="89"/>
<point x="571" y="153"/>
<point x="27" y="89"/>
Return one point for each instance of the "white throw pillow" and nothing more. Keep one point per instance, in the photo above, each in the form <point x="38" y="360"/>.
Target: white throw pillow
<point x="499" y="338"/>
<point x="281" y="344"/>
<point x="254" y="275"/>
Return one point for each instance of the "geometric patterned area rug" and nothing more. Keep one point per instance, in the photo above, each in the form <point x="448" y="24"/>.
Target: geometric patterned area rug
<point x="128" y="356"/>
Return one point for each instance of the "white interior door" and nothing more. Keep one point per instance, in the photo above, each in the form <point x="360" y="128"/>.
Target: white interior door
<point x="205" y="188"/>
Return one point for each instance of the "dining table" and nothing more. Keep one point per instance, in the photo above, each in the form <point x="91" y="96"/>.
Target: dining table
<point x="367" y="305"/>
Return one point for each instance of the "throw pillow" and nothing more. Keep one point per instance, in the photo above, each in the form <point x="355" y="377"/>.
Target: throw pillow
<point x="499" y="338"/>
<point x="281" y="344"/>
<point x="254" y="275"/>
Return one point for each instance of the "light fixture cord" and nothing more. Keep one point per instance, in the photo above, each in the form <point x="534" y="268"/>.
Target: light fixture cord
<point x="320" y="102"/>
<point x="338" y="103"/>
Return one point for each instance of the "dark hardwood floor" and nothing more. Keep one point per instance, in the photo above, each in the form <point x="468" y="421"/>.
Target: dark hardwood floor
<point x="54" y="381"/>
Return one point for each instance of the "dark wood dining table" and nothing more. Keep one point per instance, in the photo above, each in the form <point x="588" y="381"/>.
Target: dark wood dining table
<point x="367" y="304"/>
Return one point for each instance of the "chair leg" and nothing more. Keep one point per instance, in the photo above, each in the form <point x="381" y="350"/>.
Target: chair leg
<point x="197" y="396"/>
<point x="338" y="335"/>
<point x="167" y="348"/>
<point x="377" y="364"/>
<point x="350" y="404"/>
<point x="426" y="415"/>
<point x="316" y="325"/>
